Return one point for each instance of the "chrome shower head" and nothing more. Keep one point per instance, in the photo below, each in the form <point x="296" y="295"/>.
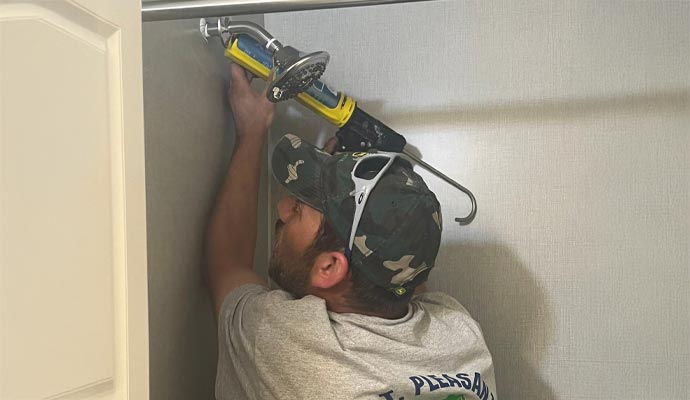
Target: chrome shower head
<point x="295" y="72"/>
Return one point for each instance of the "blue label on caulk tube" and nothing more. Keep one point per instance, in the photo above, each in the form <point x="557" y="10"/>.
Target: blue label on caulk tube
<point x="254" y="50"/>
<point x="323" y="94"/>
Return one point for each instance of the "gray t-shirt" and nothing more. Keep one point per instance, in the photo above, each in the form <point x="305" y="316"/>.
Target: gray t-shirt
<point x="272" y="346"/>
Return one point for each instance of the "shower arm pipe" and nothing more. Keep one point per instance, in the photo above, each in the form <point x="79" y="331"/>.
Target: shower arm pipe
<point x="171" y="10"/>
<point x="254" y="30"/>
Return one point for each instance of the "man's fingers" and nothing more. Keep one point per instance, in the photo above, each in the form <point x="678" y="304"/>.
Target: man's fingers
<point x="330" y="145"/>
<point x="271" y="76"/>
<point x="239" y="79"/>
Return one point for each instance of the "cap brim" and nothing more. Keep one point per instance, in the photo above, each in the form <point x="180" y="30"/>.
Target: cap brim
<point x="297" y="165"/>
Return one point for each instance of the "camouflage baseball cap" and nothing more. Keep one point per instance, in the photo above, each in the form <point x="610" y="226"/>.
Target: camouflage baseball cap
<point x="399" y="233"/>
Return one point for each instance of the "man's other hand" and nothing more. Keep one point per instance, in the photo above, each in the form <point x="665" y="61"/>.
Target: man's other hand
<point x="330" y="145"/>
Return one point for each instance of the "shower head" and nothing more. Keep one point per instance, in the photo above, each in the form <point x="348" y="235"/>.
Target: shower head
<point x="294" y="72"/>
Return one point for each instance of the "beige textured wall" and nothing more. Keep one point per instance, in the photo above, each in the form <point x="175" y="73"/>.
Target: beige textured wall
<point x="189" y="138"/>
<point x="569" y="121"/>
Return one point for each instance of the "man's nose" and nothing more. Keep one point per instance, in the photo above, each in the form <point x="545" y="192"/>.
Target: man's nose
<point x="286" y="207"/>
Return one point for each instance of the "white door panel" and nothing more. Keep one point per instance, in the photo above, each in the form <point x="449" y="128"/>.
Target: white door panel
<point x="72" y="245"/>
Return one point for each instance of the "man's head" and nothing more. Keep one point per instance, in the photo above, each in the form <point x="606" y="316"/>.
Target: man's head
<point x="395" y="241"/>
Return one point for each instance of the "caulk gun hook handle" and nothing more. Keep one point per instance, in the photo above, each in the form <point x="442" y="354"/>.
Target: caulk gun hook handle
<point x="466" y="220"/>
<point x="461" y="220"/>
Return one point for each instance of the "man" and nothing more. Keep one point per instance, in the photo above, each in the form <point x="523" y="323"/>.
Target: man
<point x="348" y="323"/>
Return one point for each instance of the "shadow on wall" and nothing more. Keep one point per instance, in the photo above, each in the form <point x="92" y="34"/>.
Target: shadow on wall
<point x="528" y="111"/>
<point x="512" y="309"/>
<point x="292" y="117"/>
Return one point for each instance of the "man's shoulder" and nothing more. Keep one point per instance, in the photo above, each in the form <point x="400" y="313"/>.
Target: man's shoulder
<point x="272" y="303"/>
<point x="446" y="308"/>
<point x="267" y="296"/>
<point x="439" y="299"/>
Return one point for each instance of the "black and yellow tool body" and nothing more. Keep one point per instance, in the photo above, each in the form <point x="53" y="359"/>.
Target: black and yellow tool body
<point x="335" y="107"/>
<point x="358" y="130"/>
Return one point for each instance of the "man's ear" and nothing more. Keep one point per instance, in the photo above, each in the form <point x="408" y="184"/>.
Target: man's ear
<point x="330" y="268"/>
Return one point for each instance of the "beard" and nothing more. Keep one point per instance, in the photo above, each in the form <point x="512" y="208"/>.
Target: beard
<point x="289" y="268"/>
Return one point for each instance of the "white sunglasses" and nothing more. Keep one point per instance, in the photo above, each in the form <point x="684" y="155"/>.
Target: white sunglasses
<point x="368" y="163"/>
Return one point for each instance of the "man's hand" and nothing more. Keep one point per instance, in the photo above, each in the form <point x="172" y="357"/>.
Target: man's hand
<point x="251" y="110"/>
<point x="330" y="145"/>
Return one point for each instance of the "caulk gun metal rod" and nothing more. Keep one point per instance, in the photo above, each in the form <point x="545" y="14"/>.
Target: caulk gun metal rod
<point x="462" y="220"/>
<point x="170" y="10"/>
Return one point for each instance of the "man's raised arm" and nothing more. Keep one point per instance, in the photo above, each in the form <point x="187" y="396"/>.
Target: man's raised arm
<point x="231" y="233"/>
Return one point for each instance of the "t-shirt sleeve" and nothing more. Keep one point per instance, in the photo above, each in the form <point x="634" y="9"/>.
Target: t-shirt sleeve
<point x="239" y="320"/>
<point x="240" y="316"/>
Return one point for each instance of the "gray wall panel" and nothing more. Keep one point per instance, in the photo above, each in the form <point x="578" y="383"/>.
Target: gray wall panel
<point x="189" y="139"/>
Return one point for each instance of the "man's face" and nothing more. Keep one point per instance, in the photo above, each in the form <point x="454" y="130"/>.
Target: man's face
<point x="296" y="230"/>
